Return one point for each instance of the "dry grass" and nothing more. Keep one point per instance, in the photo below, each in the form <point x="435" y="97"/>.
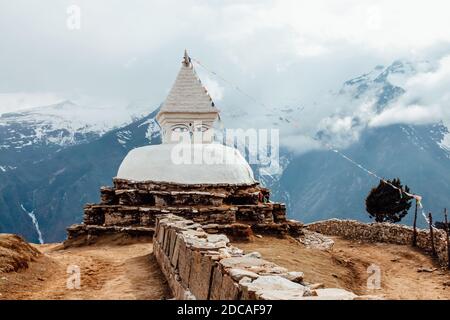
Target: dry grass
<point x="15" y="253"/>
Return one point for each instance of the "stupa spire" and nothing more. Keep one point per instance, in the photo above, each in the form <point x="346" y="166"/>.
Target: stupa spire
<point x="186" y="59"/>
<point x="187" y="104"/>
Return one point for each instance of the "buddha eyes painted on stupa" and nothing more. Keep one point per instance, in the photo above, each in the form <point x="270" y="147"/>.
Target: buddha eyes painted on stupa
<point x="180" y="128"/>
<point x="201" y="128"/>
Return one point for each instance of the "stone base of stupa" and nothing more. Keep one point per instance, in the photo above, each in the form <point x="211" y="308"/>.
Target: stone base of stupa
<point x="238" y="210"/>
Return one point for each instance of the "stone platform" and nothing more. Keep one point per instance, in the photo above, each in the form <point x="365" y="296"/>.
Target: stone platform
<point x="238" y="210"/>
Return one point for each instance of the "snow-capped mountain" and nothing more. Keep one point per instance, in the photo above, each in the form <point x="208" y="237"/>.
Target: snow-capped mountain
<point x="35" y="134"/>
<point x="62" y="124"/>
<point x="36" y="170"/>
<point x="321" y="184"/>
<point x="50" y="190"/>
<point x="383" y="84"/>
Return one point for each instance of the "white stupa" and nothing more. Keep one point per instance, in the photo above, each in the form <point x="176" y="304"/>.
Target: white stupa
<point x="188" y="154"/>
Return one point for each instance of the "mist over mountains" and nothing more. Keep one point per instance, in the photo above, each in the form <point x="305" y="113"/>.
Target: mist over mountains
<point x="321" y="184"/>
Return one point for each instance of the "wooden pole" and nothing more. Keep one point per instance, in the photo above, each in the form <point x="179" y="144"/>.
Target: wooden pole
<point x="430" y="220"/>
<point x="448" y="239"/>
<point x="415" y="226"/>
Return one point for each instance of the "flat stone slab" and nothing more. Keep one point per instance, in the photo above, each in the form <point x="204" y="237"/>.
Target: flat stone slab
<point x="253" y="254"/>
<point x="256" y="265"/>
<point x="245" y="262"/>
<point x="215" y="238"/>
<point x="334" y="294"/>
<point x="275" y="288"/>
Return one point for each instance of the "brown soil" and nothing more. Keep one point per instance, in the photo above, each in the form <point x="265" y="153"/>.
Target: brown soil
<point x="108" y="271"/>
<point x="345" y="266"/>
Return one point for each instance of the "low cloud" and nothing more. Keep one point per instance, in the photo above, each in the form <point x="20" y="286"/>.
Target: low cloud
<point x="215" y="90"/>
<point x="300" y="143"/>
<point x="280" y="51"/>
<point x="22" y="100"/>
<point x="426" y="100"/>
<point x="413" y="114"/>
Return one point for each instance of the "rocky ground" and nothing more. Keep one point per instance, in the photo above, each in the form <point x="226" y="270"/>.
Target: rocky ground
<point x="405" y="272"/>
<point x="112" y="269"/>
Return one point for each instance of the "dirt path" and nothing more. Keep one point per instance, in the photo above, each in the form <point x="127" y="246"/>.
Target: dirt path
<point x="345" y="266"/>
<point x="106" y="272"/>
<point x="114" y="271"/>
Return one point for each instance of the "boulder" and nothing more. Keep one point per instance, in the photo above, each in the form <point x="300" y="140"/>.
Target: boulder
<point x="294" y="276"/>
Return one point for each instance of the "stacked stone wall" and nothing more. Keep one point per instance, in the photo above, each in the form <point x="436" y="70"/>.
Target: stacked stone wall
<point x="220" y="188"/>
<point x="236" y="210"/>
<point x="131" y="203"/>
<point x="203" y="266"/>
<point x="383" y="232"/>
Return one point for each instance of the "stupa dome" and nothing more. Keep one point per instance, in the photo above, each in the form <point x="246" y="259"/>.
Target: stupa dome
<point x="210" y="163"/>
<point x="187" y="113"/>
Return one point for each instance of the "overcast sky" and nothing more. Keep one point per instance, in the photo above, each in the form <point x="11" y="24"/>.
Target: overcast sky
<point x="284" y="52"/>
